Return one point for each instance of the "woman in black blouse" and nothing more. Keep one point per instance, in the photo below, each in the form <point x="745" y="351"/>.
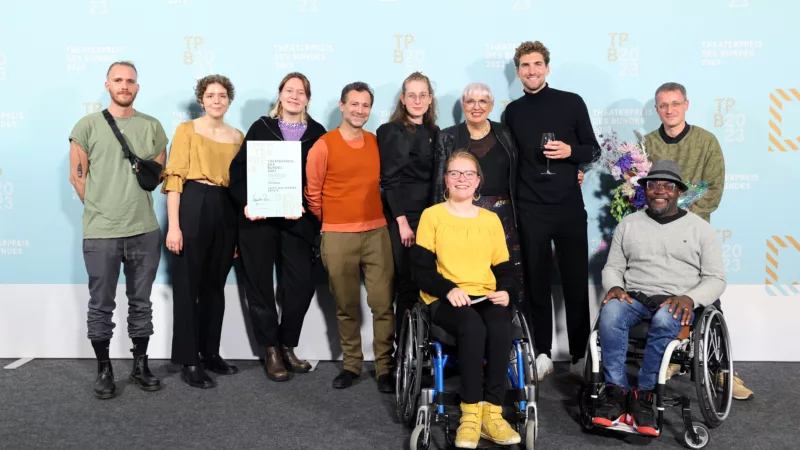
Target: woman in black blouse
<point x="406" y="150"/>
<point x="492" y="144"/>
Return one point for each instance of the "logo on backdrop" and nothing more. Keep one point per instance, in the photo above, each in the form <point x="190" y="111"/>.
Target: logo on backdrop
<point x="407" y="54"/>
<point x="6" y="194"/>
<point x="11" y="119"/>
<point x="498" y="55"/>
<point x="620" y="52"/>
<point x="287" y="55"/>
<point x="776" y="138"/>
<point x="13" y="246"/>
<point x="98" y="7"/>
<point x="605" y="120"/>
<point x="197" y="55"/>
<point x="3" y="61"/>
<point x="520" y="5"/>
<point x="714" y="53"/>
<point x="780" y="245"/>
<point x="729" y="118"/>
<point x="91" y="107"/>
<point x="740" y="181"/>
<point x="731" y="251"/>
<point x="307" y="6"/>
<point x="80" y="58"/>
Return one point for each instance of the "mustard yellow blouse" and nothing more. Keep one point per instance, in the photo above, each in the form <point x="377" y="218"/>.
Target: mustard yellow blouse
<point x="193" y="156"/>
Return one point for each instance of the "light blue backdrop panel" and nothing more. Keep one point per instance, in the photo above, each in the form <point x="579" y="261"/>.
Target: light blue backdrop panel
<point x="736" y="58"/>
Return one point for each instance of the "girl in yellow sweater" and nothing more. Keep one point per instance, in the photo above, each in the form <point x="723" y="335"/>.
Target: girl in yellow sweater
<point x="462" y="267"/>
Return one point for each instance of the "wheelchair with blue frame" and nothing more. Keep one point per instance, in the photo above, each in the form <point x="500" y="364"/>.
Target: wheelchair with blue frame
<point x="703" y="349"/>
<point x="421" y="357"/>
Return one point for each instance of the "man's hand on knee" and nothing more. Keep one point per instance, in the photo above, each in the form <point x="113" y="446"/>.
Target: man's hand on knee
<point x="681" y="305"/>
<point x="618" y="293"/>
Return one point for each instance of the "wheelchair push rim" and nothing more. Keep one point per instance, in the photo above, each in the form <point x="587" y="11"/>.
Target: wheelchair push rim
<point x="408" y="373"/>
<point x="713" y="367"/>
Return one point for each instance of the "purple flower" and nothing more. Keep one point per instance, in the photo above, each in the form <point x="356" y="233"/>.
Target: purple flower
<point x="639" y="200"/>
<point x="625" y="162"/>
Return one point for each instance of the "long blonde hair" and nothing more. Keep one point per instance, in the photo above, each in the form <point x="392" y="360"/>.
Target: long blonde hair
<point x="277" y="111"/>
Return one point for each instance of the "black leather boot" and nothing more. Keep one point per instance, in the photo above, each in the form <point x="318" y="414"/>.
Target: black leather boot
<point x="195" y="376"/>
<point x="142" y="376"/>
<point x="104" y="386"/>
<point x="216" y="364"/>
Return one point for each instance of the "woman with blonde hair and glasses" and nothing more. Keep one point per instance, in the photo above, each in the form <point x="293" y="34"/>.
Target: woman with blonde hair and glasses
<point x="493" y="146"/>
<point x="406" y="150"/>
<point x="462" y="266"/>
<point x="285" y="241"/>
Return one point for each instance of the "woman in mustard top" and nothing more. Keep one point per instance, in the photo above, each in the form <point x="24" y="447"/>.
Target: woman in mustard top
<point x="202" y="231"/>
<point x="462" y="267"/>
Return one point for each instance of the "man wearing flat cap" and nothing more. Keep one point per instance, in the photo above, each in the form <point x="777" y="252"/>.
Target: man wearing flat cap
<point x="664" y="262"/>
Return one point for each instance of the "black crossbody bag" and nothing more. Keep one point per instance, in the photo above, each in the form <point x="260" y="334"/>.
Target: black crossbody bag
<point x="148" y="172"/>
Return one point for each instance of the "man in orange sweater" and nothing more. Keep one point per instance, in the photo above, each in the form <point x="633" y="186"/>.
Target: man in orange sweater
<point x="343" y="191"/>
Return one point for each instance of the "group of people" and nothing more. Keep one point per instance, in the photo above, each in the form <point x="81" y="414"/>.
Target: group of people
<point x="463" y="218"/>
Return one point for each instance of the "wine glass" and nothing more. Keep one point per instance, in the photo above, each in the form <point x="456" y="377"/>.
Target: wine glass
<point x="547" y="138"/>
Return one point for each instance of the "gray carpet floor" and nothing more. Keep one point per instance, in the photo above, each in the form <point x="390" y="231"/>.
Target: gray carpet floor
<point x="49" y="404"/>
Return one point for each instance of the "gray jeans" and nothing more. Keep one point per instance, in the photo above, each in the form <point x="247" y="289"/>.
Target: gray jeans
<point x="140" y="256"/>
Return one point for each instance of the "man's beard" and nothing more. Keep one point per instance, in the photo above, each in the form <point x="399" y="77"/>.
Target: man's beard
<point x="116" y="99"/>
<point x="670" y="207"/>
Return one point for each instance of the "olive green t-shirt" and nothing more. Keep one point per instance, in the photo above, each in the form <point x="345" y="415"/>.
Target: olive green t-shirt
<point x="115" y="205"/>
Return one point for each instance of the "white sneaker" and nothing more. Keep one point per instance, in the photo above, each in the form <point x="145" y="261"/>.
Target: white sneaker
<point x="544" y="366"/>
<point x="577" y="368"/>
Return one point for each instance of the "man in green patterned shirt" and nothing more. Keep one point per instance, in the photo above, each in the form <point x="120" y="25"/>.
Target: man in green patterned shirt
<point x="699" y="157"/>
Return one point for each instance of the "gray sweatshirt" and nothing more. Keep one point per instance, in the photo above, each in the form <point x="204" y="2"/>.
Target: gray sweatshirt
<point x="682" y="257"/>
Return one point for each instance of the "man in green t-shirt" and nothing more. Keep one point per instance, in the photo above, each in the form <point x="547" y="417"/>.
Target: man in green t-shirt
<point x="699" y="157"/>
<point x="119" y="222"/>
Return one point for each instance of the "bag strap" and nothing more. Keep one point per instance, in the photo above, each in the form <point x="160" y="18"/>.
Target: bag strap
<point x="113" y="124"/>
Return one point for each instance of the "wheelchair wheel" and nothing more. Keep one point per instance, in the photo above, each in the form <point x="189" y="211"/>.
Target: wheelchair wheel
<point x="531" y="376"/>
<point x="712" y="366"/>
<point x="417" y="441"/>
<point x="703" y="436"/>
<point x="408" y="373"/>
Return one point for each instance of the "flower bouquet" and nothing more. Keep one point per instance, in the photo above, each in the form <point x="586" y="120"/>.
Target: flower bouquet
<point x="628" y="162"/>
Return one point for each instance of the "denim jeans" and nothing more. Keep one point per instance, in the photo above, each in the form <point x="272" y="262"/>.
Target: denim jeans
<point x="616" y="318"/>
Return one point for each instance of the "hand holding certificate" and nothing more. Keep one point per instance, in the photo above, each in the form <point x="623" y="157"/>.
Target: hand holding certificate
<point x="274" y="179"/>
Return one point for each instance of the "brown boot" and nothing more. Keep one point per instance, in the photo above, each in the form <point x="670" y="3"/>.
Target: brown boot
<point x="291" y="361"/>
<point x="274" y="366"/>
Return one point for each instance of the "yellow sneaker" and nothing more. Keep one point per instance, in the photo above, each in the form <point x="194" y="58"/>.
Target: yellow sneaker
<point x="495" y="428"/>
<point x="672" y="370"/>
<point x="740" y="392"/>
<point x="469" y="430"/>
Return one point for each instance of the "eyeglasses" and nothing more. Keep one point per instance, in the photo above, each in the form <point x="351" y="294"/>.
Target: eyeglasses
<point x="675" y="105"/>
<point x="456" y="174"/>
<point x="666" y="185"/>
<point x="482" y="103"/>
<point x="413" y="97"/>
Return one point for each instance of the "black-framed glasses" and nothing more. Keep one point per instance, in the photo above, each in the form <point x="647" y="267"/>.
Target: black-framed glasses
<point x="456" y="174"/>
<point x="666" y="185"/>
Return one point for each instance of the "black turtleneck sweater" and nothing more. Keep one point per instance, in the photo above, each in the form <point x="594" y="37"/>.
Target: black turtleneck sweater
<point x="564" y="114"/>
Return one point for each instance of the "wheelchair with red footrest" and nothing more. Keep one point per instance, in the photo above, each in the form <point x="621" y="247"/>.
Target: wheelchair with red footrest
<point x="421" y="357"/>
<point x="703" y="349"/>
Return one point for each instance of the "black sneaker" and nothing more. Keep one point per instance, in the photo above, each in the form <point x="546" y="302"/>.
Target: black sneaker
<point x="344" y="379"/>
<point x="641" y="408"/>
<point x="612" y="408"/>
<point x="386" y="384"/>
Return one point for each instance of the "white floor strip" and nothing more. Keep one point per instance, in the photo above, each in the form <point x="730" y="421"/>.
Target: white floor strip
<point x="313" y="365"/>
<point x="18" y="363"/>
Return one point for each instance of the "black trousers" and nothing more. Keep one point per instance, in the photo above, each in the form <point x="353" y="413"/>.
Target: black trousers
<point x="406" y="292"/>
<point x="208" y="225"/>
<point x="540" y="228"/>
<point x="263" y="244"/>
<point x="482" y="331"/>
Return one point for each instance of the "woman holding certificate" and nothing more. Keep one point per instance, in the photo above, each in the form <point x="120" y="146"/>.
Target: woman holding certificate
<point x="285" y="241"/>
<point x="462" y="266"/>
<point x="202" y="231"/>
<point x="406" y="150"/>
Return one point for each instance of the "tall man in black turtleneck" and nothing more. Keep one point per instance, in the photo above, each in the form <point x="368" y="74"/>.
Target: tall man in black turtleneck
<point x="550" y="207"/>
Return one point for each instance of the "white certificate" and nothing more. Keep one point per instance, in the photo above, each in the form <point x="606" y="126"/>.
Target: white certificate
<point x="274" y="179"/>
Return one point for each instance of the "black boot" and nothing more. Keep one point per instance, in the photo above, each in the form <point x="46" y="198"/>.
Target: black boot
<point x="195" y="376"/>
<point x="216" y="364"/>
<point x="142" y="376"/>
<point x="104" y="386"/>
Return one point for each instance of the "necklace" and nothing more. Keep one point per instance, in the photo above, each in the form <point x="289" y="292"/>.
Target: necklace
<point x="127" y="122"/>
<point x="483" y="133"/>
